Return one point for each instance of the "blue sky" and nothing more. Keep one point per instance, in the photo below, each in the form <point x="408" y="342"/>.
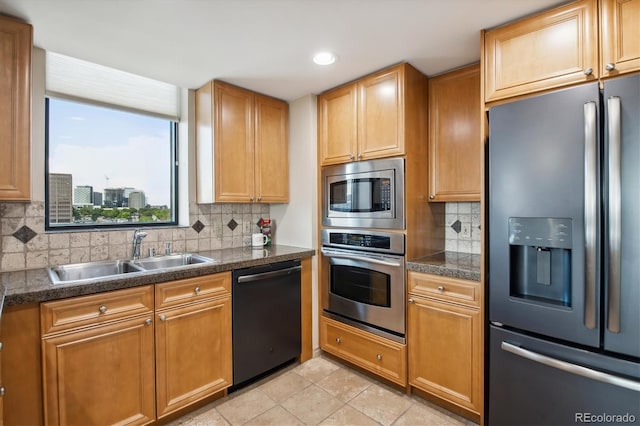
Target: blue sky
<point x="92" y="142"/>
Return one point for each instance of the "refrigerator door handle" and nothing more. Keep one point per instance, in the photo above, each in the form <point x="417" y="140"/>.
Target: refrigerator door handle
<point x="571" y="368"/>
<point x="590" y="214"/>
<point x="615" y="224"/>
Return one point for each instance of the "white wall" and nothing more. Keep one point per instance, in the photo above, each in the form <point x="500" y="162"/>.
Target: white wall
<point x="297" y="222"/>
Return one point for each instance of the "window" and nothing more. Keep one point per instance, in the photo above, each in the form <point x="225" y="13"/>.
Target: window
<point x="108" y="167"/>
<point x="110" y="146"/>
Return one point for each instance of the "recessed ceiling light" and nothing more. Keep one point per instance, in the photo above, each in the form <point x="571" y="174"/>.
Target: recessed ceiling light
<point x="325" y="58"/>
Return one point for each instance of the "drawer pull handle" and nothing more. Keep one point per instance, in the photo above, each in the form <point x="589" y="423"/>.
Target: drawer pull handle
<point x="196" y="290"/>
<point x="410" y="300"/>
<point x="102" y="309"/>
<point x="379" y="357"/>
<point x="147" y="321"/>
<point x="163" y="317"/>
<point x="441" y="288"/>
<point x="338" y="340"/>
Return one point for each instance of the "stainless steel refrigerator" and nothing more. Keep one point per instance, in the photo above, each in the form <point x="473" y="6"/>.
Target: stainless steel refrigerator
<point x="564" y="257"/>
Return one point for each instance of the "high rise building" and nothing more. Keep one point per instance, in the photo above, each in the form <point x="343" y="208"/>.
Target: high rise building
<point x="83" y="195"/>
<point x="97" y="198"/>
<point x="60" y="198"/>
<point x="113" y="197"/>
<point x="137" y="199"/>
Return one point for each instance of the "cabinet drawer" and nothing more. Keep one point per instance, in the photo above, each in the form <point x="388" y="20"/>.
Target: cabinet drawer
<point x="84" y="311"/>
<point x="444" y="288"/>
<point x="192" y="289"/>
<point x="380" y="356"/>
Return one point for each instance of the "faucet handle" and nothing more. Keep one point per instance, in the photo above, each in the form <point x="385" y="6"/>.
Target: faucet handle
<point x="167" y="248"/>
<point x="152" y="251"/>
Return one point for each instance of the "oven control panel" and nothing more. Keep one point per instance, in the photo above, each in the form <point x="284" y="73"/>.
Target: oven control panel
<point x="364" y="240"/>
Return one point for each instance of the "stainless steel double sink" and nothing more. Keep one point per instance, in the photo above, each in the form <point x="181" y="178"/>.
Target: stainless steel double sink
<point x="77" y="273"/>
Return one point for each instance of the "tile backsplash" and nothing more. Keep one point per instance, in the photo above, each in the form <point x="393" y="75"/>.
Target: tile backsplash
<point x="462" y="231"/>
<point x="26" y="245"/>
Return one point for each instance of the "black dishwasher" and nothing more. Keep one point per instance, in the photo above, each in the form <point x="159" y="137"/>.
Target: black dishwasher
<point x="266" y="318"/>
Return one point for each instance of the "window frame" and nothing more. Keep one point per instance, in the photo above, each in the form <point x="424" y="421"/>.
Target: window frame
<point x="174" y="169"/>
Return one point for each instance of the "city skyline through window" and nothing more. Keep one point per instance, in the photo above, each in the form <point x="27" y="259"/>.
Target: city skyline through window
<point x="112" y="166"/>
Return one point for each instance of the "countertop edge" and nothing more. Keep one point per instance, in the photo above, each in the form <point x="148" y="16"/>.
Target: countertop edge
<point x="464" y="266"/>
<point x="34" y="286"/>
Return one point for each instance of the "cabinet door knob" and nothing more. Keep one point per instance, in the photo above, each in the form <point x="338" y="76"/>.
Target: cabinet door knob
<point x="163" y="317"/>
<point x="148" y="321"/>
<point x="359" y="156"/>
<point x="610" y="66"/>
<point x="410" y="300"/>
<point x="379" y="357"/>
<point x="338" y="340"/>
<point x="588" y="71"/>
<point x="2" y="391"/>
<point x="351" y="157"/>
<point x="251" y="199"/>
<point x="0" y="346"/>
<point x="441" y="288"/>
<point x="196" y="290"/>
<point x="260" y="198"/>
<point x="102" y="309"/>
<point x="431" y="197"/>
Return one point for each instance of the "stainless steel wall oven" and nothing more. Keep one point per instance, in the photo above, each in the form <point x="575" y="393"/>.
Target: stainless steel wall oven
<point x="364" y="283"/>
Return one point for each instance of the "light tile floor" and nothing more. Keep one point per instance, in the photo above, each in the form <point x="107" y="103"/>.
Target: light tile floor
<point x="320" y="392"/>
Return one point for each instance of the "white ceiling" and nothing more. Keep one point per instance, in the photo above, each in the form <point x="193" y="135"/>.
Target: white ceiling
<point x="266" y="45"/>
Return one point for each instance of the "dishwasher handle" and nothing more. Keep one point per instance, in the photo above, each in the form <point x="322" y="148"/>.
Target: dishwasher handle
<point x="270" y="274"/>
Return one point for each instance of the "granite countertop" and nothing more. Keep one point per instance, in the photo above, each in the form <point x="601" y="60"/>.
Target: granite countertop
<point x="463" y="266"/>
<point x="34" y="285"/>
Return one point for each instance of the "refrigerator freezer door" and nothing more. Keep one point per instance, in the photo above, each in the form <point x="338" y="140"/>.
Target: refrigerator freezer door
<point x="622" y="213"/>
<point x="543" y="186"/>
<point x="535" y="382"/>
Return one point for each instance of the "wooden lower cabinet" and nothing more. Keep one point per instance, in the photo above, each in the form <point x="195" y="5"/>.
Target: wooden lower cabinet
<point x="21" y="365"/>
<point x="100" y="375"/>
<point x="193" y="353"/>
<point x="381" y="356"/>
<point x="445" y="350"/>
<point x="2" y="390"/>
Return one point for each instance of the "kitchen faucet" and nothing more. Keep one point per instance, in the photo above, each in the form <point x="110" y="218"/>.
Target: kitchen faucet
<point x="138" y="235"/>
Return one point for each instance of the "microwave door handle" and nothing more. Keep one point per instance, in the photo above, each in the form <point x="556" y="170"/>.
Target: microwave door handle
<point x="360" y="258"/>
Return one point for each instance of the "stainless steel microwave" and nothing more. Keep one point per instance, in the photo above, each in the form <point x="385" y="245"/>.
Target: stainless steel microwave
<point x="364" y="194"/>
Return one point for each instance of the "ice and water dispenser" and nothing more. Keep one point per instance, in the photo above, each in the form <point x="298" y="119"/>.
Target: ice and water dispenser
<point x="540" y="259"/>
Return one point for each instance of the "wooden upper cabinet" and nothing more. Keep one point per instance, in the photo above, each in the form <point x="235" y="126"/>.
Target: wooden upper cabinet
<point x="15" y="109"/>
<point x="454" y="135"/>
<point x="366" y="119"/>
<point x="271" y="150"/>
<point x="338" y="124"/>
<point x="242" y="146"/>
<point x="233" y="143"/>
<point x="619" y="37"/>
<point x="553" y="49"/>
<point x="380" y="113"/>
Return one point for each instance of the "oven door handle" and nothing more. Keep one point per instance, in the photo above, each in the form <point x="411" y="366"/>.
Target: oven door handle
<point x="330" y="253"/>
